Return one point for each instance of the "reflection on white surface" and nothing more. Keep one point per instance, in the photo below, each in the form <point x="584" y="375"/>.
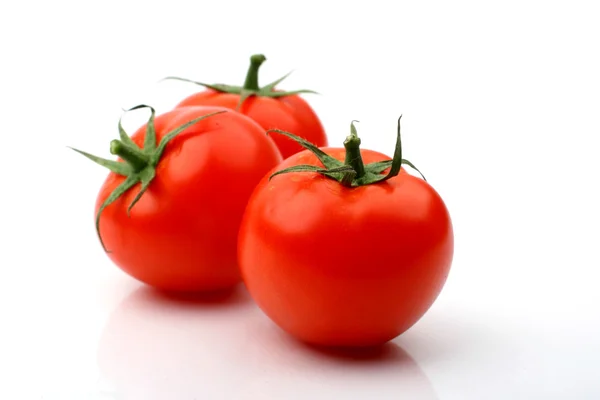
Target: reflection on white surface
<point x="222" y="347"/>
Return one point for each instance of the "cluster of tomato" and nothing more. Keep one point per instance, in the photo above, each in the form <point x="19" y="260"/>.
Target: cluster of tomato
<point x="338" y="246"/>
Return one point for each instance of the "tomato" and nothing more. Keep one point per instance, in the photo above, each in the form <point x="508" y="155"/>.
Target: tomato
<point x="340" y="247"/>
<point x="271" y="108"/>
<point x="169" y="211"/>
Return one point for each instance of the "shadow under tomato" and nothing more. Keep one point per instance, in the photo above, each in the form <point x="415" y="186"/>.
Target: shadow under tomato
<point x="388" y="352"/>
<point x="158" y="346"/>
<point x="161" y="345"/>
<point x="387" y="370"/>
<point x="221" y="298"/>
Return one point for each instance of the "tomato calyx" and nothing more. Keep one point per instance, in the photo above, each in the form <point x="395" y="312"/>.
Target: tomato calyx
<point x="250" y="87"/>
<point x="139" y="164"/>
<point x="352" y="172"/>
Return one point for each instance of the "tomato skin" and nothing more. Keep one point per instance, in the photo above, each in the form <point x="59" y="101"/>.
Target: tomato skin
<point x="335" y="266"/>
<point x="289" y="113"/>
<point x="182" y="234"/>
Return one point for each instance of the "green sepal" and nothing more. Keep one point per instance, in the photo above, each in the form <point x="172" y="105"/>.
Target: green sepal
<point x="351" y="173"/>
<point x="285" y="93"/>
<point x="348" y="179"/>
<point x="244" y="94"/>
<point x="406" y="162"/>
<point x="124" y="136"/>
<point x="250" y="87"/>
<point x="133" y="156"/>
<point x="268" y="90"/>
<point x="118" y="192"/>
<point x="145" y="177"/>
<point x="397" y="159"/>
<point x="219" y="87"/>
<point x="269" y="87"/>
<point x="326" y="159"/>
<point x="155" y="157"/>
<point x="150" y="137"/>
<point x="114" y="166"/>
<point x="380" y="166"/>
<point x="265" y="91"/>
<point x="313" y="168"/>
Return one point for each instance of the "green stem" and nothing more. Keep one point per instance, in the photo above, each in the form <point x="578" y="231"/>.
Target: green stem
<point x="353" y="156"/>
<point x="133" y="156"/>
<point x="251" y="82"/>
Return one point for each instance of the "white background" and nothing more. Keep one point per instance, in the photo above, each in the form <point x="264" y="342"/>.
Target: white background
<point x="500" y="104"/>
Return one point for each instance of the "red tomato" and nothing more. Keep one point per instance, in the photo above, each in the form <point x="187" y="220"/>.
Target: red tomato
<point x="271" y="108"/>
<point x="182" y="233"/>
<point x="344" y="266"/>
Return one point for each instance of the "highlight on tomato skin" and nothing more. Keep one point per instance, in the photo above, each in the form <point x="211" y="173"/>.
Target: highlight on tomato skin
<point x="343" y="247"/>
<point x="270" y="107"/>
<point x="169" y="210"/>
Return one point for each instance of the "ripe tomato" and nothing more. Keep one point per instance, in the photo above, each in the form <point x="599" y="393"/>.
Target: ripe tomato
<point x="339" y="254"/>
<point x="169" y="214"/>
<point x="271" y="108"/>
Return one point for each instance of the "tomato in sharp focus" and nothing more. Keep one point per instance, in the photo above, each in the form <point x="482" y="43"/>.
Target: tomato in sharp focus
<point x="347" y="258"/>
<point x="269" y="107"/>
<point x="185" y="177"/>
